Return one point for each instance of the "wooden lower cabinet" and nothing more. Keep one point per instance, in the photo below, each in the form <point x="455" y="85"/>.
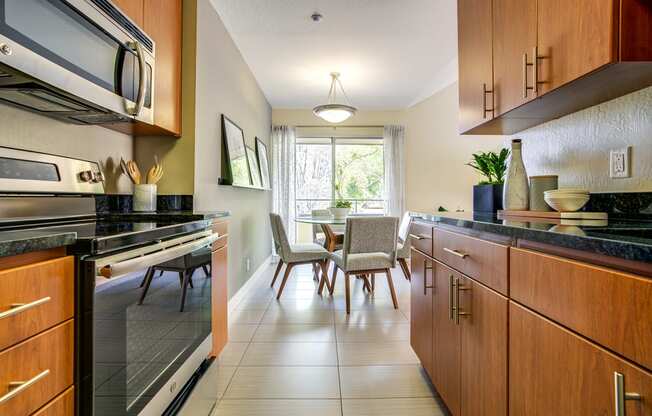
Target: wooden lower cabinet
<point x="421" y="306"/>
<point x="446" y="340"/>
<point x="219" y="299"/>
<point x="63" y="405"/>
<point x="484" y="349"/>
<point x="555" y="372"/>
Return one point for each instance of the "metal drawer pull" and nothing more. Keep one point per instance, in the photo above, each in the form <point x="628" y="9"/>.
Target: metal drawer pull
<point x="621" y="395"/>
<point x="458" y="310"/>
<point x="419" y="237"/>
<point x="17" y="308"/>
<point x="16" y="387"/>
<point x="456" y="253"/>
<point x="452" y="284"/>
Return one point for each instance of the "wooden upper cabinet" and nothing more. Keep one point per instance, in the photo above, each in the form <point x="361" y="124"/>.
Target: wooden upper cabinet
<point x="421" y="306"/>
<point x="484" y="350"/>
<point x="132" y="8"/>
<point x="162" y="21"/>
<point x="575" y="38"/>
<point x="475" y="62"/>
<point x="514" y="43"/>
<point x="555" y="372"/>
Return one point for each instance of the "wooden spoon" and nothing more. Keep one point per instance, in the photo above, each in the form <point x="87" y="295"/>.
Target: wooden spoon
<point x="134" y="172"/>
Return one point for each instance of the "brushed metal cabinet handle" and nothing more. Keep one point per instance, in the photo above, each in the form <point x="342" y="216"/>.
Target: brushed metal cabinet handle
<point x="486" y="110"/>
<point x="456" y="253"/>
<point x="451" y="297"/>
<point x="621" y="396"/>
<point x="17" y="308"/>
<point x="458" y="309"/>
<point x="419" y="237"/>
<point x="17" y="387"/>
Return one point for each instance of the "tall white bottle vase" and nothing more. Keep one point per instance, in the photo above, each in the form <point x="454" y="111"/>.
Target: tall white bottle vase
<point x="516" y="192"/>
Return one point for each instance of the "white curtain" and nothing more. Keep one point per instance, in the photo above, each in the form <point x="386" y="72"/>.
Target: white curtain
<point x="394" y="138"/>
<point x="283" y="139"/>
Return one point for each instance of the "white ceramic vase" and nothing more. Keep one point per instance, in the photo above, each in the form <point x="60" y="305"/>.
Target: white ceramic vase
<point x="339" y="213"/>
<point x="516" y="192"/>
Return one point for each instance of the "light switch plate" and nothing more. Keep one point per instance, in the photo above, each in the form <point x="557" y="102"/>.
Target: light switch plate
<point x="620" y="162"/>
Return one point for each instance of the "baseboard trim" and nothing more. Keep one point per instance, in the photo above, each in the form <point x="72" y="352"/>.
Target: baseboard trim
<point x="244" y="289"/>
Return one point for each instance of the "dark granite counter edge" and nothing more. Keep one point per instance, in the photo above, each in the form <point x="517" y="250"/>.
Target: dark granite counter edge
<point x="20" y="242"/>
<point x="176" y="216"/>
<point x="622" y="249"/>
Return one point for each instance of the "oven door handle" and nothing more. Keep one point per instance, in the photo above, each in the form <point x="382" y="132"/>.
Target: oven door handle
<point x="164" y="254"/>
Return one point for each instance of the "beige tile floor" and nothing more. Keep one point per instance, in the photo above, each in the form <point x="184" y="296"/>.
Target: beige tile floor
<point x="303" y="355"/>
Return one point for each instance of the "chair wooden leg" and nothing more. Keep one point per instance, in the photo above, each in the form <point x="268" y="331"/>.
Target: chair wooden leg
<point x="184" y="289"/>
<point x="366" y="284"/>
<point x="405" y="269"/>
<point x="149" y="275"/>
<point x="288" y="269"/>
<point x="390" y="283"/>
<point x="332" y="288"/>
<point x="160" y="272"/>
<point x="206" y="271"/>
<point x="315" y="271"/>
<point x="324" y="278"/>
<point x="142" y="282"/>
<point x="191" y="272"/>
<point x="373" y="281"/>
<point x="278" y="269"/>
<point x="347" y="284"/>
<point x="180" y="279"/>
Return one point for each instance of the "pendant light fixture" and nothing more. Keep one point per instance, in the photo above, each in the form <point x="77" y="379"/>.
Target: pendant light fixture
<point x="335" y="112"/>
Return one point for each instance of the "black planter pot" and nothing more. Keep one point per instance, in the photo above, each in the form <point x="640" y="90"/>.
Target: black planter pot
<point x="487" y="198"/>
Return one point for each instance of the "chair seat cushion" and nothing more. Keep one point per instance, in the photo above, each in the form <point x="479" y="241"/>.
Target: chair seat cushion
<point x="403" y="251"/>
<point x="306" y="252"/>
<point x="362" y="261"/>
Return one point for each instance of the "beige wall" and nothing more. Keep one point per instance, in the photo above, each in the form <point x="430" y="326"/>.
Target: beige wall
<point x="436" y="155"/>
<point x="226" y="85"/>
<point x="25" y="130"/>
<point x="576" y="147"/>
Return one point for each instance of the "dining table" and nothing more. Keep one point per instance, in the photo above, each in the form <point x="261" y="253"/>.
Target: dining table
<point x="326" y="223"/>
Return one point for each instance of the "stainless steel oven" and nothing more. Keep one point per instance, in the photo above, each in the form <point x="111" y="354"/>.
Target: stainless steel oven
<point x="145" y="328"/>
<point x="82" y="61"/>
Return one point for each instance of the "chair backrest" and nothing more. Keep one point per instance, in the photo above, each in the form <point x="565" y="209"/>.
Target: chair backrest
<point x="404" y="228"/>
<point x="370" y="235"/>
<point x="316" y="228"/>
<point x="281" y="242"/>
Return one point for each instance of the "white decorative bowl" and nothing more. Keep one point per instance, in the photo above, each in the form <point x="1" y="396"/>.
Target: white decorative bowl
<point x="566" y="191"/>
<point x="566" y="203"/>
<point x="339" y="213"/>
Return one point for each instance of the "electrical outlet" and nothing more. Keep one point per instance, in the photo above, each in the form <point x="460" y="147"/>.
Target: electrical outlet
<point x="247" y="264"/>
<point x="620" y="163"/>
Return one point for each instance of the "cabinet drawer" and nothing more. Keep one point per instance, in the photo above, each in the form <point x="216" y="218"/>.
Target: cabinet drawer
<point x="612" y="308"/>
<point x="46" y="291"/>
<point x="63" y="405"/>
<point x="421" y="237"/>
<point x="482" y="260"/>
<point x="44" y="363"/>
<point x="221" y="228"/>
<point x="555" y="372"/>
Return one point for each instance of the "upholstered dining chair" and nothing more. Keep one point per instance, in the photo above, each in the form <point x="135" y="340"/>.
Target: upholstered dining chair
<point x="403" y="247"/>
<point x="369" y="248"/>
<point x="296" y="254"/>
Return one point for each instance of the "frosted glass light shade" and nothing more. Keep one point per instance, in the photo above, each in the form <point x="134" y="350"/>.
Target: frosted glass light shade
<point x="334" y="113"/>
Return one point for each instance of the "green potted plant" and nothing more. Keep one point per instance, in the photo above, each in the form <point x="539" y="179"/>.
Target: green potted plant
<point x="488" y="193"/>
<point x="340" y="209"/>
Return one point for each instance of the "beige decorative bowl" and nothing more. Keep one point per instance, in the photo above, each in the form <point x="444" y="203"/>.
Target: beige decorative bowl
<point x="566" y="203"/>
<point x="564" y="191"/>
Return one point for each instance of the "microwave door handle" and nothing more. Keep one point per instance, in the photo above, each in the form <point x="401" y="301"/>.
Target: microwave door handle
<point x="141" y="262"/>
<point x="142" y="79"/>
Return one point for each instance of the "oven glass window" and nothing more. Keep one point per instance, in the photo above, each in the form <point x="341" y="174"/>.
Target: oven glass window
<point x="28" y="170"/>
<point x="60" y="34"/>
<point x="138" y="347"/>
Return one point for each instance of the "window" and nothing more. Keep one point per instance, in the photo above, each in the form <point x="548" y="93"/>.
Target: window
<point x="334" y="168"/>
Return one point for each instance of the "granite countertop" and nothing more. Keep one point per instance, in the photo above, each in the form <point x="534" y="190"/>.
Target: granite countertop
<point x="176" y="216"/>
<point x="629" y="239"/>
<point x="24" y="241"/>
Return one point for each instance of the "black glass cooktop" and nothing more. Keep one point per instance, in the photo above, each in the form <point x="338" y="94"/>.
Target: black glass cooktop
<point x="100" y="235"/>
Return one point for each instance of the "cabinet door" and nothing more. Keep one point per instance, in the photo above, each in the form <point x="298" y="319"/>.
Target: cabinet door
<point x="475" y="62"/>
<point x="555" y="372"/>
<point x="484" y="349"/>
<point x="163" y="24"/>
<point x="132" y="8"/>
<point x="421" y="309"/>
<point x="446" y="339"/>
<point x="514" y="43"/>
<point x="575" y="38"/>
<point x="219" y="299"/>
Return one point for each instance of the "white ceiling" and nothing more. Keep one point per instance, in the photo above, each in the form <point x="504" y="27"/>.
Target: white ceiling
<point x="391" y="53"/>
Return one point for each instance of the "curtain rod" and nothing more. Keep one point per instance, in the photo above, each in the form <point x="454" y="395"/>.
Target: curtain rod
<point x="334" y="127"/>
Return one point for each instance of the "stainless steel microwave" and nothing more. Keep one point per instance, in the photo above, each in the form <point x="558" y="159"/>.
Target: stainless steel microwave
<point x="82" y="61"/>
